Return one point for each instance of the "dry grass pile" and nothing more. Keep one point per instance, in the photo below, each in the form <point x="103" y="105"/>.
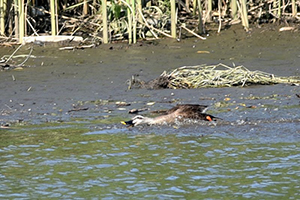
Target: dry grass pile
<point x="221" y="76"/>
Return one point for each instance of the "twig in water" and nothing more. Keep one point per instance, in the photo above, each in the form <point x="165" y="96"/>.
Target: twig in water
<point x="31" y="49"/>
<point x="14" y="53"/>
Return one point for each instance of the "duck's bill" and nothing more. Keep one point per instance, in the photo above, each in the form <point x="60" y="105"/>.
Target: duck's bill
<point x="127" y="123"/>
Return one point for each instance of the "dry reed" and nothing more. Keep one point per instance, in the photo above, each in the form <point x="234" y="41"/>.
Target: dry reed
<point x="128" y="19"/>
<point x="221" y="76"/>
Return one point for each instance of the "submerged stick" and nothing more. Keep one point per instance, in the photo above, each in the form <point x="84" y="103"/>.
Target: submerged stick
<point x="28" y="56"/>
<point x="14" y="53"/>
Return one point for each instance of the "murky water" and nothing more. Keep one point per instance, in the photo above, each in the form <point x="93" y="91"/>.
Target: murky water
<point x="52" y="151"/>
<point x="80" y="164"/>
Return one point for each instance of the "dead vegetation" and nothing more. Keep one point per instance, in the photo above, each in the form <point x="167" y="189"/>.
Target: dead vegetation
<point x="203" y="76"/>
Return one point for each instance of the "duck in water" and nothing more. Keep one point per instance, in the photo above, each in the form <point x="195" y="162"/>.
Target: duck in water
<point x="178" y="113"/>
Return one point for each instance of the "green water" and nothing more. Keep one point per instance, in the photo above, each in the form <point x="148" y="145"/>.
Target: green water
<point x="78" y="164"/>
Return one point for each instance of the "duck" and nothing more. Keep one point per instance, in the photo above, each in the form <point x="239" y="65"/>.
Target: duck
<point x="180" y="112"/>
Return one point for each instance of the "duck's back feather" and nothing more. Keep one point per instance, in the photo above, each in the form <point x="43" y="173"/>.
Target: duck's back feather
<point x="192" y="111"/>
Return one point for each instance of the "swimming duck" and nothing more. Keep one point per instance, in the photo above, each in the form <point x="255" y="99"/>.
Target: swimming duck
<point x="180" y="112"/>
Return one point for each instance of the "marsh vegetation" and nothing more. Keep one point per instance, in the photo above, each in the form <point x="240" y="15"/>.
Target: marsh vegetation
<point x="107" y="21"/>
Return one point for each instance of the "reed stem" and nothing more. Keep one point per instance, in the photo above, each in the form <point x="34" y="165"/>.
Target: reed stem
<point x="21" y="20"/>
<point x="16" y="18"/>
<point x="200" y="20"/>
<point x="134" y="20"/>
<point x="104" y="19"/>
<point x="129" y="18"/>
<point x="209" y="10"/>
<point x="85" y="7"/>
<point x="294" y="8"/>
<point x="244" y="14"/>
<point x="173" y="18"/>
<point x="279" y="9"/>
<point x="2" y="17"/>
<point x="53" y="21"/>
<point x="233" y="5"/>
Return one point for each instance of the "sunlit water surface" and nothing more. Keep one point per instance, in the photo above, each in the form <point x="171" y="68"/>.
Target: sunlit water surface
<point x="125" y="164"/>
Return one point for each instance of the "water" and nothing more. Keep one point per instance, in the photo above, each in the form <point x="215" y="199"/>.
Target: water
<point x="253" y="154"/>
<point x="75" y="163"/>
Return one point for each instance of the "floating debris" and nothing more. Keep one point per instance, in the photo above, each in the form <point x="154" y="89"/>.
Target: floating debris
<point x="122" y="103"/>
<point x="203" y="52"/>
<point x="135" y="110"/>
<point x="75" y="109"/>
<point x="220" y="75"/>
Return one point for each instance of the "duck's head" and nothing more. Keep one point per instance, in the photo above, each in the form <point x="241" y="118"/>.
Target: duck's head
<point x="139" y="119"/>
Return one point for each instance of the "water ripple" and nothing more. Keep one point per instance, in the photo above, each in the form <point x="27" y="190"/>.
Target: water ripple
<point x="116" y="166"/>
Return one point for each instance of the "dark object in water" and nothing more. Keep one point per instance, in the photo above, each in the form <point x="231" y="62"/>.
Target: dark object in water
<point x="161" y="82"/>
<point x="176" y="114"/>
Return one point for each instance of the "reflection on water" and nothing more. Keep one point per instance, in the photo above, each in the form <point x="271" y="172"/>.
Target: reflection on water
<point x="64" y="163"/>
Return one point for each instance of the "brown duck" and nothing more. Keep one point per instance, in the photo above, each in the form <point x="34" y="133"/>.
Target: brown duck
<point x="180" y="112"/>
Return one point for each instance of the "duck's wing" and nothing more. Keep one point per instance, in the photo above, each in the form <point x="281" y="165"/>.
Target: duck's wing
<point x="192" y="111"/>
<point x="187" y="109"/>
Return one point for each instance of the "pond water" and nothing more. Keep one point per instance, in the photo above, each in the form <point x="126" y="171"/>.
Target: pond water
<point x="54" y="151"/>
<point x="69" y="163"/>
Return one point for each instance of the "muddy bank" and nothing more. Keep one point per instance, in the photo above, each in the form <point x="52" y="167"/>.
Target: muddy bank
<point x="56" y="83"/>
